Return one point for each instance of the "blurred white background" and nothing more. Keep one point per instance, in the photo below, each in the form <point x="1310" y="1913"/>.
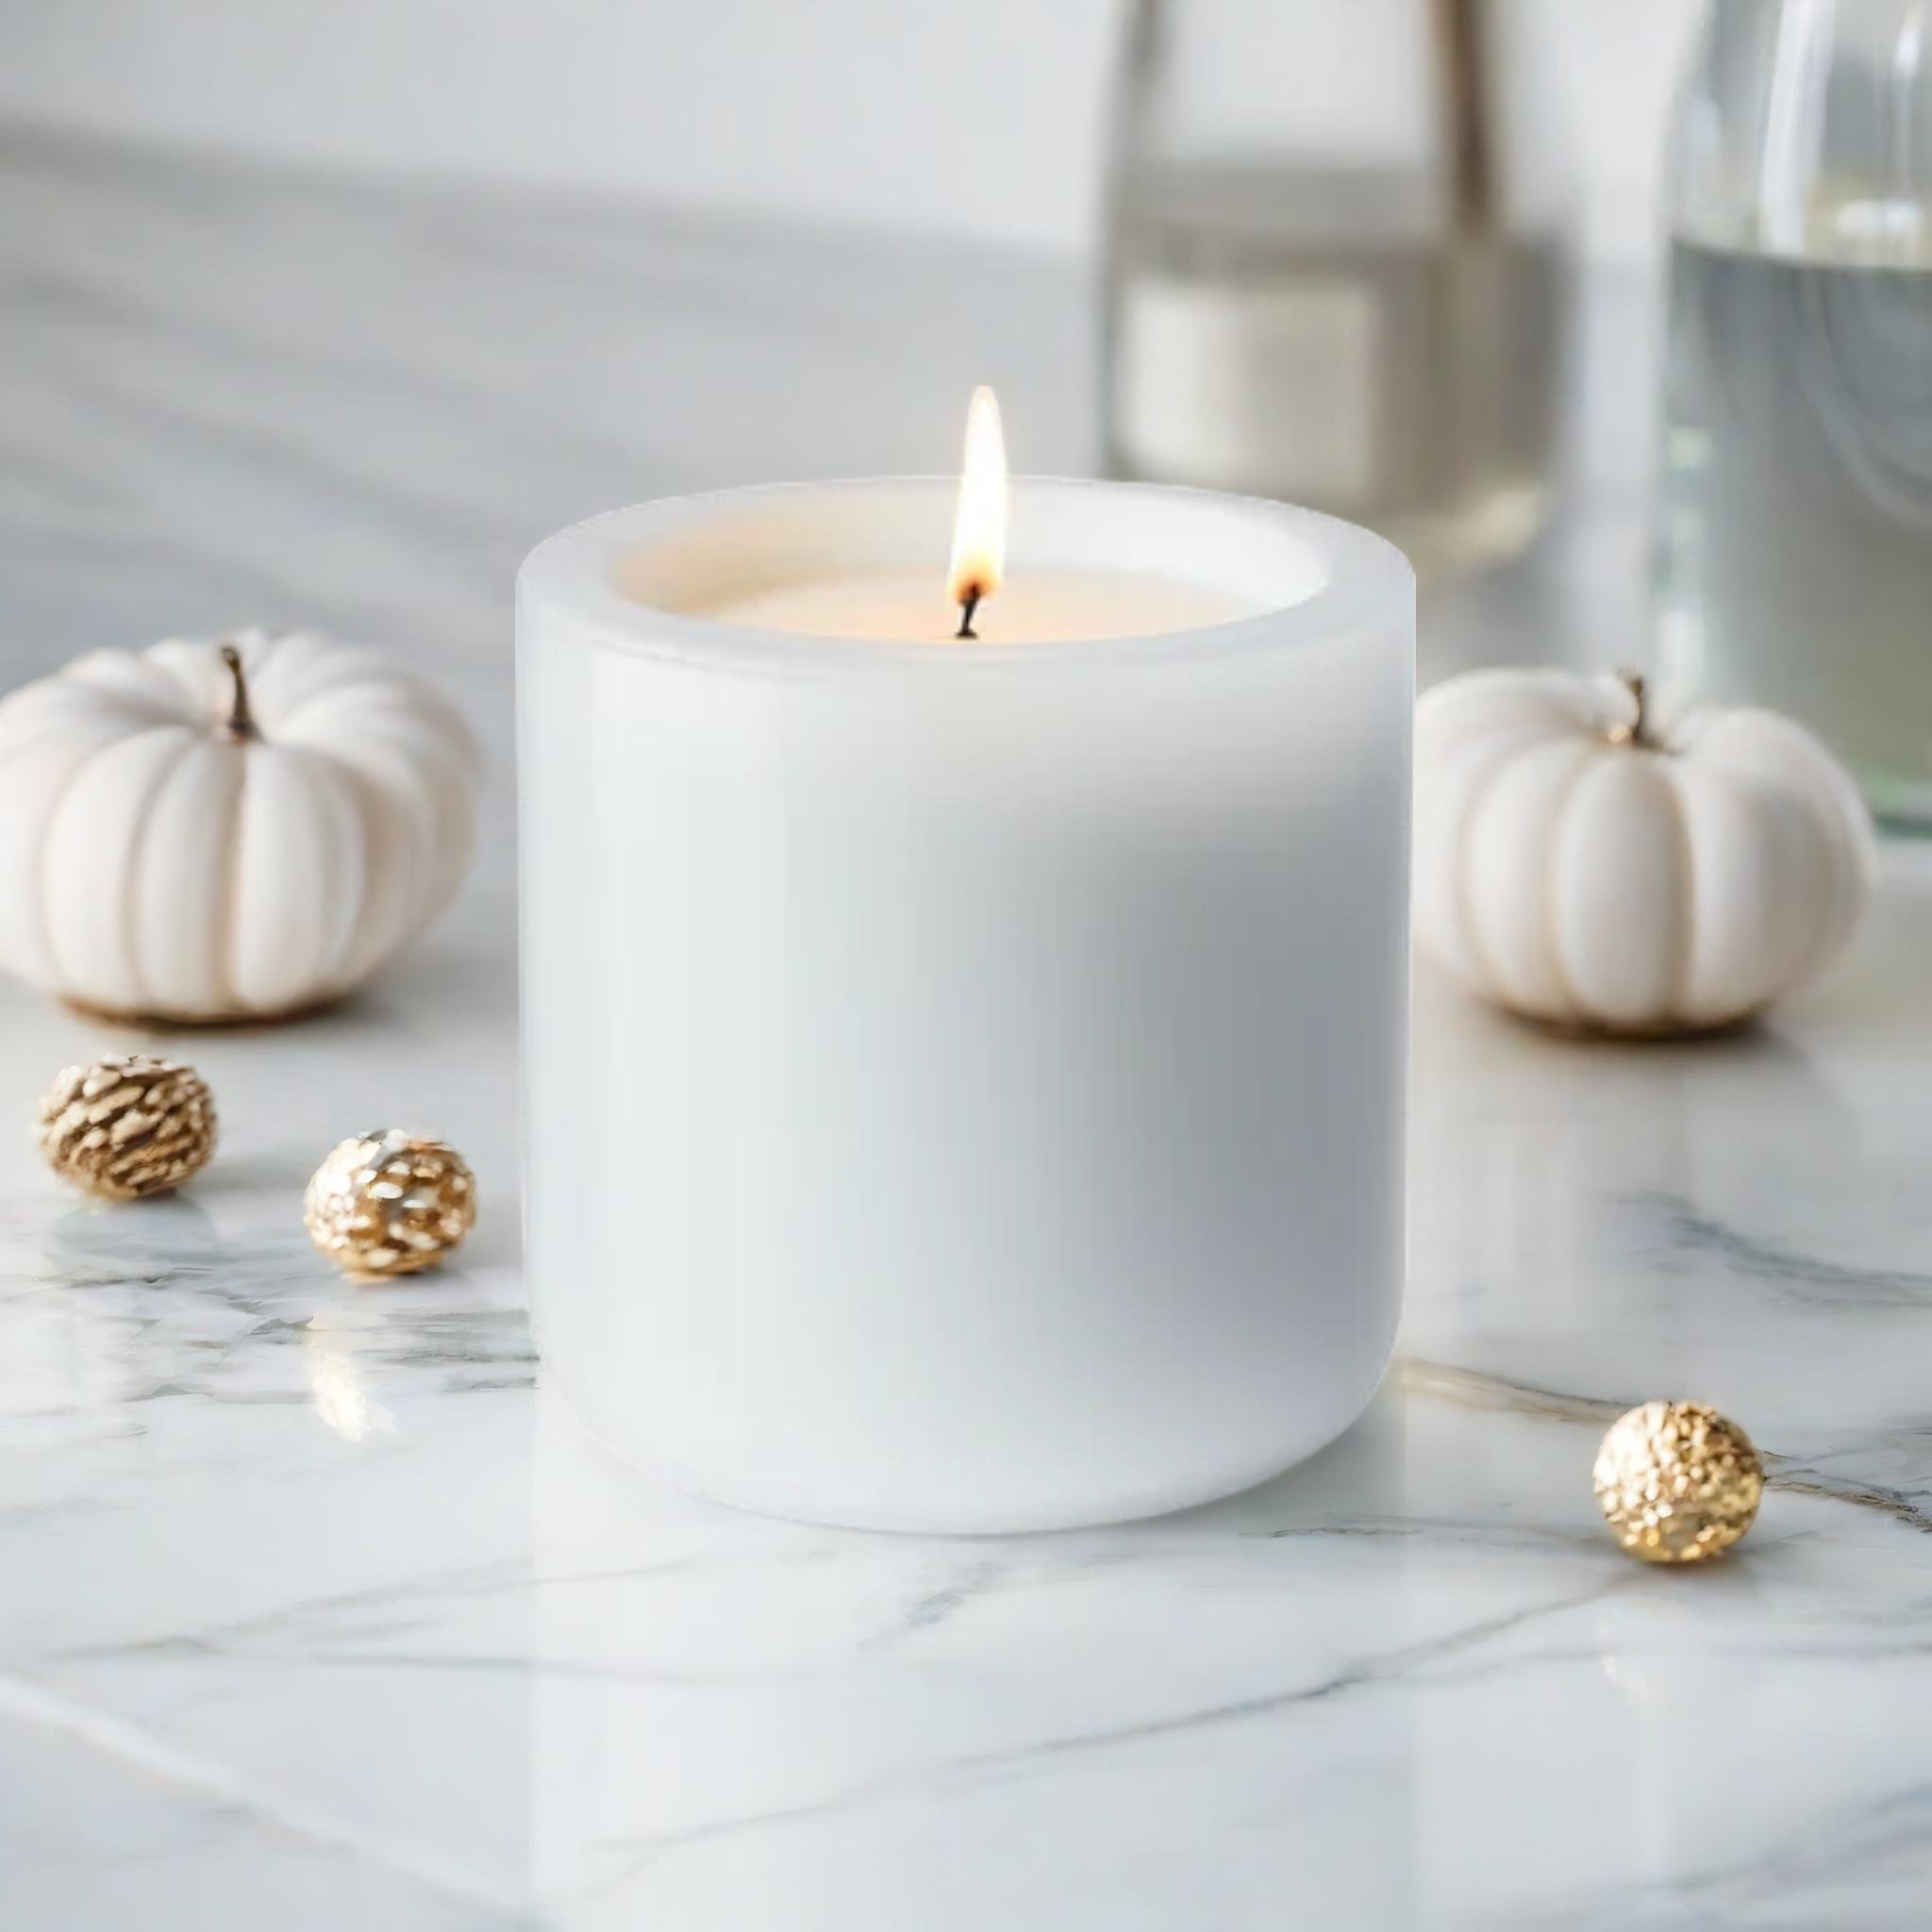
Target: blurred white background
<point x="981" y="117"/>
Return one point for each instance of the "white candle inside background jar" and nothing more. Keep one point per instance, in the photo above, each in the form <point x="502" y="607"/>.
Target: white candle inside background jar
<point x="964" y="1075"/>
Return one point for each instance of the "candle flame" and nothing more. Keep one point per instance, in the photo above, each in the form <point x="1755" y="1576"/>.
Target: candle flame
<point x="979" y="530"/>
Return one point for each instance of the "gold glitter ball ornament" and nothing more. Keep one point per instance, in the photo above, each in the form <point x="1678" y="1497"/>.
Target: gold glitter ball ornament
<point x="1677" y="1482"/>
<point x="126" y="1127"/>
<point x="390" y="1203"/>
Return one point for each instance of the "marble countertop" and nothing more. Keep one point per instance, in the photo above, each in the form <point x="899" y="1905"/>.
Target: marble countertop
<point x="315" y="1612"/>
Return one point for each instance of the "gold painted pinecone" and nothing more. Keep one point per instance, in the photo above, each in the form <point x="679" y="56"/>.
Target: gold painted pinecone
<point x="124" y="1127"/>
<point x="389" y="1202"/>
<point x="1677" y="1482"/>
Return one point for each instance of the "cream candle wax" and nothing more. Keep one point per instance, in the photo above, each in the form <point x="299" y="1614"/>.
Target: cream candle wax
<point x="964" y="1075"/>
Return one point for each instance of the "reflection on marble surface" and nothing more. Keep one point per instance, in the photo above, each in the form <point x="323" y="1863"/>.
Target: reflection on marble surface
<point x="317" y="1612"/>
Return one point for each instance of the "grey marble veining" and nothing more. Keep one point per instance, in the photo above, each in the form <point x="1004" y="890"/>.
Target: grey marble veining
<point x="315" y="1610"/>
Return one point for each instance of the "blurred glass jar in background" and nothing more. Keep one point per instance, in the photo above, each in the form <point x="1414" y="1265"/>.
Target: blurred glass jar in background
<point x="1333" y="270"/>
<point x="1794" y="534"/>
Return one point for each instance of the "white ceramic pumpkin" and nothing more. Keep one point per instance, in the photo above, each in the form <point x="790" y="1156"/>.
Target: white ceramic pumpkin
<point x="1579" y="863"/>
<point x="203" y="832"/>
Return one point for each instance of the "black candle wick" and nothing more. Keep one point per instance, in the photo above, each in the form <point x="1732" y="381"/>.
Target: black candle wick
<point x="968" y="605"/>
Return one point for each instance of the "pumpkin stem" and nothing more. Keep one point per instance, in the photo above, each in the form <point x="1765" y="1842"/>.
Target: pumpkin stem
<point x="240" y="719"/>
<point x="1638" y="731"/>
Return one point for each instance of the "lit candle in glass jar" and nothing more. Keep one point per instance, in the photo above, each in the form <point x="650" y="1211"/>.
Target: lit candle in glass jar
<point x="912" y="601"/>
<point x="964" y="1073"/>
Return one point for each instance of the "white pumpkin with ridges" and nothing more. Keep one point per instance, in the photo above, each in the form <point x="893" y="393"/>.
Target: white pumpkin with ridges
<point x="189" y="839"/>
<point x="1578" y="862"/>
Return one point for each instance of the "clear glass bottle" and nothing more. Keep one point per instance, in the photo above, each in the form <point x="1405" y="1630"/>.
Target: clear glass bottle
<point x="1794" y="532"/>
<point x="1333" y="270"/>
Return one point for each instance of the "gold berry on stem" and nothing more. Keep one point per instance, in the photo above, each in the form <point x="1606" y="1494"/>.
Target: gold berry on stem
<point x="1677" y="1482"/>
<point x="127" y="1126"/>
<point x="390" y="1203"/>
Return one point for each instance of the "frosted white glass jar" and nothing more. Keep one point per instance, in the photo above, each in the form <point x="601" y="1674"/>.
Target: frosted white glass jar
<point x="964" y="1081"/>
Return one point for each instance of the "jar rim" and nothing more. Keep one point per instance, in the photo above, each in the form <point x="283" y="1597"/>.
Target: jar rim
<point x="1307" y="575"/>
